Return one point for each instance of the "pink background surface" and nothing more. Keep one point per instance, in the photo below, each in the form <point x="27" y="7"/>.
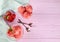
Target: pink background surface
<point x="46" y="22"/>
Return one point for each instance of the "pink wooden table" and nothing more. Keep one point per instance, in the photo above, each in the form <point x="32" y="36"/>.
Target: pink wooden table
<point x="46" y="22"/>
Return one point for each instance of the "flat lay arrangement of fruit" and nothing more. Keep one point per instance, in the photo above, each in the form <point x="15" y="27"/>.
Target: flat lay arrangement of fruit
<point x="15" y="32"/>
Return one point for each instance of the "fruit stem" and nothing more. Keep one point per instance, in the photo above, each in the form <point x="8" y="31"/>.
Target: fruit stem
<point x="10" y="28"/>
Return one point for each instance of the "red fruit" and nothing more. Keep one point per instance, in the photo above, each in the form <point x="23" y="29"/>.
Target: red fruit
<point x="15" y="32"/>
<point x="25" y="11"/>
<point x="10" y="16"/>
<point x="29" y="9"/>
<point x="26" y="15"/>
<point x="21" y="9"/>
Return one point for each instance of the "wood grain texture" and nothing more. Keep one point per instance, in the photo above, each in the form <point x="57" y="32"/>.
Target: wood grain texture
<point x="46" y="22"/>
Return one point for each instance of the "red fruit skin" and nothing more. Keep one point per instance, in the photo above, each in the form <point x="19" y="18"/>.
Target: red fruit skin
<point x="25" y="11"/>
<point x="26" y="15"/>
<point x="9" y="16"/>
<point x="10" y="33"/>
<point x="15" y="33"/>
<point x="29" y="9"/>
<point x="21" y="9"/>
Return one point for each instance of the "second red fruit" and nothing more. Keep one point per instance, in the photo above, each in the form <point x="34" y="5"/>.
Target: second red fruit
<point x="15" y="32"/>
<point x="25" y="11"/>
<point x="9" y="16"/>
